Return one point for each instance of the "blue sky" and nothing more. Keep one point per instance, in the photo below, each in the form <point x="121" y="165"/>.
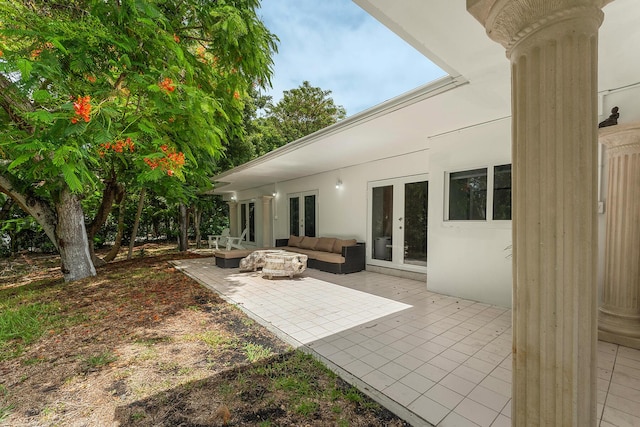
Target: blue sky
<point x="337" y="46"/>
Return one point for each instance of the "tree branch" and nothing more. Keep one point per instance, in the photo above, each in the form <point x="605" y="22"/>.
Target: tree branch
<point x="15" y="104"/>
<point x="39" y="209"/>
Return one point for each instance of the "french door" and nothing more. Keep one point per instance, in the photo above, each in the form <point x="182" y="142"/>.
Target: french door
<point x="303" y="217"/>
<point x="398" y="222"/>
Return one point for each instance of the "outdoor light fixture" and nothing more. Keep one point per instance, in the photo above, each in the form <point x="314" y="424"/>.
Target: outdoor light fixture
<point x="233" y="198"/>
<point x="274" y="194"/>
<point x="339" y="183"/>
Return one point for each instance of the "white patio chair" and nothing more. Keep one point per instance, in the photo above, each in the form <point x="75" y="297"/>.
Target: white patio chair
<point x="236" y="242"/>
<point x="219" y="239"/>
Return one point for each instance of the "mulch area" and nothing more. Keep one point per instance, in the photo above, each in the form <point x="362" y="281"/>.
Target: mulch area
<point x="143" y="344"/>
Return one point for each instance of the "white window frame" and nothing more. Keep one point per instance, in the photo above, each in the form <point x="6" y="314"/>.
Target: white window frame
<point x="490" y="168"/>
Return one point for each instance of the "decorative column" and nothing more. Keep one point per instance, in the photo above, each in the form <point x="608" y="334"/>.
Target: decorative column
<point x="553" y="49"/>
<point x="233" y="218"/>
<point x="619" y="317"/>
<point x="267" y="222"/>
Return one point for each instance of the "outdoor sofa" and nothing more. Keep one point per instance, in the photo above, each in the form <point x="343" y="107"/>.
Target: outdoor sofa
<point x="329" y="254"/>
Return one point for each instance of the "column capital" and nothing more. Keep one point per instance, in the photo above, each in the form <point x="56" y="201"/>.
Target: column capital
<point x="509" y="21"/>
<point x="622" y="137"/>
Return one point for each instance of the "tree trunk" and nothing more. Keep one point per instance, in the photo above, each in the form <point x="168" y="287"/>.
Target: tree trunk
<point x="120" y="200"/>
<point x="111" y="191"/>
<point x="71" y="236"/>
<point x="183" y="242"/>
<point x="134" y="232"/>
<point x="197" y="216"/>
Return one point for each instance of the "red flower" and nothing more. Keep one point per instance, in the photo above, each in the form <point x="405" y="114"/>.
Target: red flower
<point x="82" y="108"/>
<point x="167" y="85"/>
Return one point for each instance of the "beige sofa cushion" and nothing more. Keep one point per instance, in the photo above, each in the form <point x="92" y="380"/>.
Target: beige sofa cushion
<point x="337" y="247"/>
<point x="308" y="252"/>
<point x="325" y="244"/>
<point x="294" y="241"/>
<point x="232" y="254"/>
<point x="308" y="243"/>
<point x="329" y="257"/>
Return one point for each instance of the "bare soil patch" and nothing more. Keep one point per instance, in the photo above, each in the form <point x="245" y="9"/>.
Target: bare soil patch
<point x="142" y="344"/>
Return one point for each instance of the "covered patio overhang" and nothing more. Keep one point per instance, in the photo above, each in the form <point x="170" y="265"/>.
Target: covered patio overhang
<point x="476" y="91"/>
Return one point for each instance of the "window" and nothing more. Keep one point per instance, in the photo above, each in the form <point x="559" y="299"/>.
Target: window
<point x="502" y="192"/>
<point x="479" y="194"/>
<point x="468" y="195"/>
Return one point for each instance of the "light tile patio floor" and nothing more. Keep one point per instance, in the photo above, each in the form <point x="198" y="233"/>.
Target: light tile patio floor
<point x="432" y="359"/>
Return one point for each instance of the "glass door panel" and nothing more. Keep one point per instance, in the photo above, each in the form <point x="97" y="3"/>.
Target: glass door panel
<point x="294" y="216"/>
<point x="310" y="215"/>
<point x="416" y="195"/>
<point x="251" y="235"/>
<point x="382" y="222"/>
<point x="248" y="220"/>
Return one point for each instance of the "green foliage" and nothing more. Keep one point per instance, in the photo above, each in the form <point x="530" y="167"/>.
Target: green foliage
<point x="268" y="126"/>
<point x="5" y="407"/>
<point x="99" y="360"/>
<point x="256" y="352"/>
<point x="302" y="111"/>
<point x="307" y="407"/>
<point x="135" y="91"/>
<point x="22" y="324"/>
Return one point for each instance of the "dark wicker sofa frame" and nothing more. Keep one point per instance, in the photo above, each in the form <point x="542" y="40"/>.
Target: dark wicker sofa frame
<point x="354" y="259"/>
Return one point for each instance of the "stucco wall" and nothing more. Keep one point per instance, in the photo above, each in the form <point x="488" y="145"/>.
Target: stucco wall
<point x="466" y="259"/>
<point x="342" y="212"/>
<point x="470" y="259"/>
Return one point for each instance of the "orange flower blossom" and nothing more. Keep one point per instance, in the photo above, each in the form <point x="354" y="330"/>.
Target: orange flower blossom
<point x="119" y="146"/>
<point x="82" y="108"/>
<point x="172" y="161"/>
<point x="167" y="85"/>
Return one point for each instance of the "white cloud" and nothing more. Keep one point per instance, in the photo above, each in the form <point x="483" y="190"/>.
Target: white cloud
<point x="337" y="46"/>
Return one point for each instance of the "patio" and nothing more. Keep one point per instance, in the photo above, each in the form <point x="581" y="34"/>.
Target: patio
<point x="430" y="358"/>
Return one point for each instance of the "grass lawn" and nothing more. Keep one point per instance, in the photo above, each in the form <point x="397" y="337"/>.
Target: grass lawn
<point x="142" y="344"/>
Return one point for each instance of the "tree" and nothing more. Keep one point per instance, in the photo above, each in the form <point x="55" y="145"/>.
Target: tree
<point x="100" y="94"/>
<point x="301" y="112"/>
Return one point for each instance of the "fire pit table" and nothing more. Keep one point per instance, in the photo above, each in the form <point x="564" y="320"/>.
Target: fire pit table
<point x="257" y="259"/>
<point x="281" y="264"/>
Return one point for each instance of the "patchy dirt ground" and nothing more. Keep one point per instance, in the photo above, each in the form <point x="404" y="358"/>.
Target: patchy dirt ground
<point x="142" y="344"/>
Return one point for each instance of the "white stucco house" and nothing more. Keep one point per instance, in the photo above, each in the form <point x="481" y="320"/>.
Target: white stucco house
<point x="443" y="149"/>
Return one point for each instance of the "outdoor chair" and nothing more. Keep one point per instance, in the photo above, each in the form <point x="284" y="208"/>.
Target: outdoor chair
<point x="219" y="239"/>
<point x="236" y="242"/>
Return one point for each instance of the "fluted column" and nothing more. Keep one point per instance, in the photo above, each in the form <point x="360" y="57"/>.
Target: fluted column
<point x="233" y="218"/>
<point x="619" y="317"/>
<point x="267" y="222"/>
<point x="552" y="46"/>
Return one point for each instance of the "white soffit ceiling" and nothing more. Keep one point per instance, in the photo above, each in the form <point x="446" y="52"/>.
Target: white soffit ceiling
<point x="477" y="91"/>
